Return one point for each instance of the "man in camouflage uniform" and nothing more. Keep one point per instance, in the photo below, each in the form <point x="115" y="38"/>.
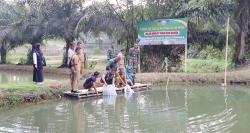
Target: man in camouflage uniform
<point x="134" y="57"/>
<point x="112" y="53"/>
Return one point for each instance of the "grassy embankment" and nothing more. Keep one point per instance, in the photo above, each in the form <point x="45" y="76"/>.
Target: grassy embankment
<point x="19" y="93"/>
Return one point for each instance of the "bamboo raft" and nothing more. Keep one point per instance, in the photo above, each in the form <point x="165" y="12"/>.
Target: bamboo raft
<point x="88" y="94"/>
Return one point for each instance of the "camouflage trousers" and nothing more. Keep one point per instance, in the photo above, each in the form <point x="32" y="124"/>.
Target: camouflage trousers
<point x="134" y="64"/>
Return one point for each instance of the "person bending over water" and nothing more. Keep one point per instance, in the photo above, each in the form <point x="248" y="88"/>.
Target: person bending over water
<point x="108" y="78"/>
<point x="91" y="82"/>
<point x="121" y="79"/>
<point x="112" y="63"/>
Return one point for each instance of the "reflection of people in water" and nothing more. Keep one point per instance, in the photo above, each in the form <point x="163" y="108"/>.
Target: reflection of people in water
<point x="78" y="121"/>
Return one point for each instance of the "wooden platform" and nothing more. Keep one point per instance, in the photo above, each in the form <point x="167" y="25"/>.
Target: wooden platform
<point x="87" y="94"/>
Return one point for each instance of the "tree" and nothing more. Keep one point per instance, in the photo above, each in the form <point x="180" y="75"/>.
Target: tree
<point x="244" y="22"/>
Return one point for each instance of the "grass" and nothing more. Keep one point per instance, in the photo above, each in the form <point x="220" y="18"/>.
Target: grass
<point x="205" y="66"/>
<point x="14" y="94"/>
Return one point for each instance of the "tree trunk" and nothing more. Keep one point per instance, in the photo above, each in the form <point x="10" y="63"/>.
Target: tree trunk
<point x="3" y="53"/>
<point x="65" y="55"/>
<point x="240" y="48"/>
<point x="244" y="12"/>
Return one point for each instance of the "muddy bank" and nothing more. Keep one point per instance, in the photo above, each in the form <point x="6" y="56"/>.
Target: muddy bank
<point x="211" y="78"/>
<point x="239" y="76"/>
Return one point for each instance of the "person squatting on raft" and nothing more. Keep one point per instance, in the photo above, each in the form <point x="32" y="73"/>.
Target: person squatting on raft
<point x="121" y="79"/>
<point x="108" y="78"/>
<point x="38" y="63"/>
<point x="75" y="71"/>
<point x="91" y="82"/>
<point x="81" y="58"/>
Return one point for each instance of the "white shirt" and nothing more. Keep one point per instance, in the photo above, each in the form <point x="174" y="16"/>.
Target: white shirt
<point x="70" y="54"/>
<point x="34" y="59"/>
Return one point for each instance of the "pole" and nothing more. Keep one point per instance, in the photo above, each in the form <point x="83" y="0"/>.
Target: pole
<point x="225" y="76"/>
<point x="185" y="61"/>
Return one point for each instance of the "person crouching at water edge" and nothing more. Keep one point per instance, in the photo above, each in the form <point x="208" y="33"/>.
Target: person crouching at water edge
<point x="75" y="71"/>
<point x="121" y="79"/>
<point x="108" y="78"/>
<point x="91" y="82"/>
<point x="38" y="64"/>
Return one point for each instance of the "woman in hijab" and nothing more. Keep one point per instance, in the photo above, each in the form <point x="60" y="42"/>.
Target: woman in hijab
<point x="38" y="63"/>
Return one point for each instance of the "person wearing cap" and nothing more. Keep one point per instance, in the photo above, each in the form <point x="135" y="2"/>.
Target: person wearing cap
<point x="134" y="56"/>
<point x="75" y="71"/>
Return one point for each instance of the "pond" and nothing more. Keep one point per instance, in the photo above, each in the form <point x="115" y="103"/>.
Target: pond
<point x="8" y="77"/>
<point x="14" y="78"/>
<point x="178" y="108"/>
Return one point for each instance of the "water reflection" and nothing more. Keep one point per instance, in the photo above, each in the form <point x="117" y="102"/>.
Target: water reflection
<point x="14" y="78"/>
<point x="161" y="110"/>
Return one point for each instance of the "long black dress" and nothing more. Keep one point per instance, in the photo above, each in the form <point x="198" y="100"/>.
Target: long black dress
<point x="38" y="72"/>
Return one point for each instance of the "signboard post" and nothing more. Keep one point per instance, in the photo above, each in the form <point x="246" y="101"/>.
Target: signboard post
<point x="164" y="32"/>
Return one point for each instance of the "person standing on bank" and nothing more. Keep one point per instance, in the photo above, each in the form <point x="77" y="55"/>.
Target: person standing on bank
<point x="38" y="64"/>
<point x="75" y="71"/>
<point x="134" y="57"/>
<point x="81" y="58"/>
<point x="71" y="52"/>
<point x="112" y="52"/>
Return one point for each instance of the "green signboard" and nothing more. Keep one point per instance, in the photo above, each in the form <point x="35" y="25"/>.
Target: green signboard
<point x="163" y="32"/>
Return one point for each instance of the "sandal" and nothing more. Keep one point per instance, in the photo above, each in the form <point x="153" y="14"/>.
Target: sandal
<point x="73" y="91"/>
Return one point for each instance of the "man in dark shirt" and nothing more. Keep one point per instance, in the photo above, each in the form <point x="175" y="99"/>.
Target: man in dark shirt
<point x="112" y="52"/>
<point x="108" y="78"/>
<point x="91" y="82"/>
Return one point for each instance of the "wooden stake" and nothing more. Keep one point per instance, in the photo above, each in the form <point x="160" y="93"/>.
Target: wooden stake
<point x="225" y="76"/>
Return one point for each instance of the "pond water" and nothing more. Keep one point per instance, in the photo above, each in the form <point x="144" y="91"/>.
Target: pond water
<point x="175" y="109"/>
<point x="14" y="78"/>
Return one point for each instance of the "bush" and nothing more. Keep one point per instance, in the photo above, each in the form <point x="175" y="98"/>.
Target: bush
<point x="22" y="61"/>
<point x="97" y="51"/>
